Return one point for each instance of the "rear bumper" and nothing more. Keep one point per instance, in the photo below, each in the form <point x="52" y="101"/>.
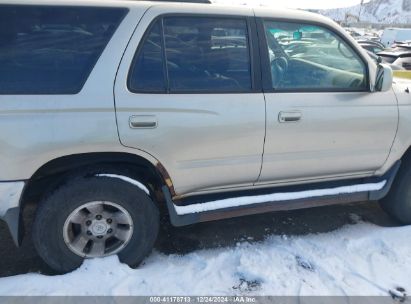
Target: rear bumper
<point x="10" y="195"/>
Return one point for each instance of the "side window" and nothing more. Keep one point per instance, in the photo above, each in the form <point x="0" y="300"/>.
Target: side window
<point x="147" y="74"/>
<point x="202" y="54"/>
<point x="207" y="54"/>
<point x="311" y="58"/>
<point x="52" y="49"/>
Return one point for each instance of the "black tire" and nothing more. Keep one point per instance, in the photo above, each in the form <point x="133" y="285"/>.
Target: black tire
<point x="55" y="208"/>
<point x="398" y="201"/>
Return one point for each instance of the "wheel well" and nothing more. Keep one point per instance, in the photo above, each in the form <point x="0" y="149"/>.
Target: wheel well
<point x="56" y="171"/>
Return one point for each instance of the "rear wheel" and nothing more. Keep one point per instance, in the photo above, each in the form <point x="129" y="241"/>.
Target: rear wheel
<point x="95" y="217"/>
<point x="398" y="201"/>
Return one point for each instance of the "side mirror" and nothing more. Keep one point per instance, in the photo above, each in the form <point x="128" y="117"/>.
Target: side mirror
<point x="384" y="79"/>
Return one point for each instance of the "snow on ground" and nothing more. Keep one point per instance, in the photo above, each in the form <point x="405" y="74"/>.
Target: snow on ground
<point x="360" y="259"/>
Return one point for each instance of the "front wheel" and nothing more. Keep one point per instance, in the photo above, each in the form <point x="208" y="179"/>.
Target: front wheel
<point x="398" y="201"/>
<point x="95" y="217"/>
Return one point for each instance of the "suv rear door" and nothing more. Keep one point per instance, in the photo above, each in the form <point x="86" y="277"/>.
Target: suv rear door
<point x="189" y="94"/>
<point x="322" y="120"/>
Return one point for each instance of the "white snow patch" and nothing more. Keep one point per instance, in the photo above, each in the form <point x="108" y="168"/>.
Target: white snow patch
<point x="361" y="259"/>
<point x="129" y="180"/>
<point x="376" y="11"/>
<point x="276" y="197"/>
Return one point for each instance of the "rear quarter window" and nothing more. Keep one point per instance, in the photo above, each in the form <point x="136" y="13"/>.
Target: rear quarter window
<point x="52" y="49"/>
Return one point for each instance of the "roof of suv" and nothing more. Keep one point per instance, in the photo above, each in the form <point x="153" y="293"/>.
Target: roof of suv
<point x="201" y="5"/>
<point x="190" y="8"/>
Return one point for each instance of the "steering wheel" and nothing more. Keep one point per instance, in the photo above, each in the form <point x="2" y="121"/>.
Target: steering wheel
<point x="279" y="68"/>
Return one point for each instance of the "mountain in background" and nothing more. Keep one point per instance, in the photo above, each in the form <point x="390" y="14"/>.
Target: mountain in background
<point x="375" y="11"/>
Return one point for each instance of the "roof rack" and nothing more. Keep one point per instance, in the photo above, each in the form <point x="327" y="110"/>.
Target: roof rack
<point x="185" y="1"/>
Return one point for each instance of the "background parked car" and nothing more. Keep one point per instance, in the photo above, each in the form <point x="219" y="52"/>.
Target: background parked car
<point x="371" y="46"/>
<point x="397" y="57"/>
<point x="393" y="35"/>
<point x="371" y="41"/>
<point x="377" y="59"/>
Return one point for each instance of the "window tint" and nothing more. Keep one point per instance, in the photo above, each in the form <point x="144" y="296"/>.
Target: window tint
<point x="202" y="54"/>
<point x="309" y="57"/>
<point x="207" y="54"/>
<point x="148" y="71"/>
<point x="52" y="50"/>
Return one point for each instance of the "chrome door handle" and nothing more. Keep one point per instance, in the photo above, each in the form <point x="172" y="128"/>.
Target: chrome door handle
<point x="143" y="122"/>
<point x="292" y="116"/>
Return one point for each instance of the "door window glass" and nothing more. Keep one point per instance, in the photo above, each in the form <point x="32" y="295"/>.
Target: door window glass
<point x="207" y="54"/>
<point x="309" y="57"/>
<point x="147" y="75"/>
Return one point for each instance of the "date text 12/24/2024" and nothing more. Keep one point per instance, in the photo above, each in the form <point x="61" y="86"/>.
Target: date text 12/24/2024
<point x="203" y="299"/>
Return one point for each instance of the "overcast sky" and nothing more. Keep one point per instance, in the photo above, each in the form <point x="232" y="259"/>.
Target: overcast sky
<point x="300" y="3"/>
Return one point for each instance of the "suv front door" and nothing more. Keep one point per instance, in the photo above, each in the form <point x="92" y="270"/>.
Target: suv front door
<point x="192" y="97"/>
<point x="322" y="119"/>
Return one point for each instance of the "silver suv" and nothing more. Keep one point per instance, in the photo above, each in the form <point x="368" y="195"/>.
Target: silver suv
<point x="114" y="113"/>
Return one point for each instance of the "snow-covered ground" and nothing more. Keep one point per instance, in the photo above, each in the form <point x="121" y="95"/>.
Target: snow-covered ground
<point x="374" y="11"/>
<point x="360" y="259"/>
<point x="377" y="11"/>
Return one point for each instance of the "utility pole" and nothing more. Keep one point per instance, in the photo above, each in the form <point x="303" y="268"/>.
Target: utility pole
<point x="359" y="14"/>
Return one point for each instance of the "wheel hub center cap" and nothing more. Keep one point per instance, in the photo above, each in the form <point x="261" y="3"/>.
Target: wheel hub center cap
<point x="99" y="228"/>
